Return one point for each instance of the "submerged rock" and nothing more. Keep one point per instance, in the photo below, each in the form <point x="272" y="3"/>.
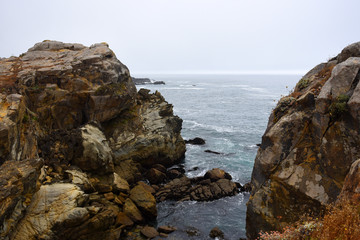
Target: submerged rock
<point x="311" y="140"/>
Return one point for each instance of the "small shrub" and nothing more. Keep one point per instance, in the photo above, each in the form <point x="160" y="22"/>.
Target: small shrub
<point x="339" y="106"/>
<point x="341" y="222"/>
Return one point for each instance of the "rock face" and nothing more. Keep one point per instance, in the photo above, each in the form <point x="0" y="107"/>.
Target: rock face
<point x="75" y="137"/>
<point x="311" y="140"/>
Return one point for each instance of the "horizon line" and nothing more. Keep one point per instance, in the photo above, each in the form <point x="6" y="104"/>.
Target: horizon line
<point x="260" y="72"/>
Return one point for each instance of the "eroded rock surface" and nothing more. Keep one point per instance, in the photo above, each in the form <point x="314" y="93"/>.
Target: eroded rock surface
<point x="76" y="110"/>
<point x="311" y="140"/>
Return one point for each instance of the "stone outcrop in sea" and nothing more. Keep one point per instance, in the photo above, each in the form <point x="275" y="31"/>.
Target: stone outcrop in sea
<point x="75" y="139"/>
<point x="310" y="143"/>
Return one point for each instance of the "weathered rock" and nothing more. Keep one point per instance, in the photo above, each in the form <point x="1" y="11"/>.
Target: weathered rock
<point x="216" y="233"/>
<point x="166" y="229"/>
<point x="308" y="147"/>
<point x="18" y="183"/>
<point x="216" y="174"/>
<point x="144" y="200"/>
<point x="350" y="190"/>
<point x="77" y="108"/>
<point x="128" y="170"/>
<point x="149" y="232"/>
<point x="123" y="219"/>
<point x="155" y="176"/>
<point x="149" y="133"/>
<point x="120" y="184"/>
<point x="132" y="211"/>
<point x="51" y="205"/>
<point x="198" y="189"/>
<point x="195" y="141"/>
<point x="97" y="153"/>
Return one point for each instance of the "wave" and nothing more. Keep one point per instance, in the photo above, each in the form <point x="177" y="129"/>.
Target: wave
<point x="182" y="88"/>
<point x="219" y="129"/>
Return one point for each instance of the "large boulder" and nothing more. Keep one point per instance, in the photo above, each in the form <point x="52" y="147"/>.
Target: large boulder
<point x="311" y="140"/>
<point x="144" y="200"/>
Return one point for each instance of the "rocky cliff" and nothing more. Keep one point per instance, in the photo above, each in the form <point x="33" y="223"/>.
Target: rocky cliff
<point x="75" y="138"/>
<point x="310" y="143"/>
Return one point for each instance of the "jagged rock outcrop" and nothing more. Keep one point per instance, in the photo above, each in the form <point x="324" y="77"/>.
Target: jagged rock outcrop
<point x="214" y="185"/>
<point x="77" y="111"/>
<point x="311" y="140"/>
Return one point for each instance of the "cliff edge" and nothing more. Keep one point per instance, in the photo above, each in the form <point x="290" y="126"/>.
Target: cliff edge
<point x="310" y="143"/>
<point x="75" y="139"/>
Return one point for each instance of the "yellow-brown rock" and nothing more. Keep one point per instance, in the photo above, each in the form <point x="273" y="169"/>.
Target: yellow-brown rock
<point x="144" y="200"/>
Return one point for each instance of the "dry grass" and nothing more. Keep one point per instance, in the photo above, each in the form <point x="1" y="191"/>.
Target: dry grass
<point x="341" y="222"/>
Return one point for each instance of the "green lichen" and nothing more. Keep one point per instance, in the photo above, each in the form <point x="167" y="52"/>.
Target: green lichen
<point x="339" y="106"/>
<point x="282" y="107"/>
<point x="303" y="83"/>
<point x="111" y="89"/>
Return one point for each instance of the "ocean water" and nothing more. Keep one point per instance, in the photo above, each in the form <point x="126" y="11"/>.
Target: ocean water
<point x="230" y="112"/>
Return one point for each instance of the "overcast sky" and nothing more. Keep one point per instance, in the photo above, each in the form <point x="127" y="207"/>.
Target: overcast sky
<point x="152" y="36"/>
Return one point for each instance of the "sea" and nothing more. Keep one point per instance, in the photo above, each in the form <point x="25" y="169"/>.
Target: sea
<point x="231" y="113"/>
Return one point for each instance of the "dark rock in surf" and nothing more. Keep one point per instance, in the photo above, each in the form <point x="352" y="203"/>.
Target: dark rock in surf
<point x="216" y="233"/>
<point x="213" y="152"/>
<point x="195" y="141"/>
<point x="215" y="185"/>
<point x="159" y="83"/>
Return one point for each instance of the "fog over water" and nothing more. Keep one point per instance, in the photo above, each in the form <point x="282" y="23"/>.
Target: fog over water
<point x="162" y="36"/>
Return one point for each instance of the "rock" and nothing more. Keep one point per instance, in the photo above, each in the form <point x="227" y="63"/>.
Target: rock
<point x="97" y="153"/>
<point x="197" y="189"/>
<point x="77" y="108"/>
<point x="149" y="232"/>
<point x="109" y="196"/>
<point x="166" y="229"/>
<point x="132" y="211"/>
<point x="18" y="184"/>
<point x="58" y="203"/>
<point x="159" y="83"/>
<point x="174" y="173"/>
<point x="128" y="170"/>
<point x="120" y="184"/>
<point x="216" y="233"/>
<point x="155" y="176"/>
<point x="141" y="81"/>
<point x="308" y="147"/>
<point x="216" y="174"/>
<point x="213" y="152"/>
<point x="153" y="139"/>
<point x="350" y="190"/>
<point x="352" y="50"/>
<point x="148" y="188"/>
<point x="123" y="219"/>
<point x="144" y="200"/>
<point x="159" y="167"/>
<point x="195" y="141"/>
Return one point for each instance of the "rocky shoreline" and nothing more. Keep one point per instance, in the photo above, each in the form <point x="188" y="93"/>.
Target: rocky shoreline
<point x="83" y="154"/>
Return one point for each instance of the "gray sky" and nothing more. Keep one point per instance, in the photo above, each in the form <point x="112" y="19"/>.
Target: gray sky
<point x="152" y="36"/>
